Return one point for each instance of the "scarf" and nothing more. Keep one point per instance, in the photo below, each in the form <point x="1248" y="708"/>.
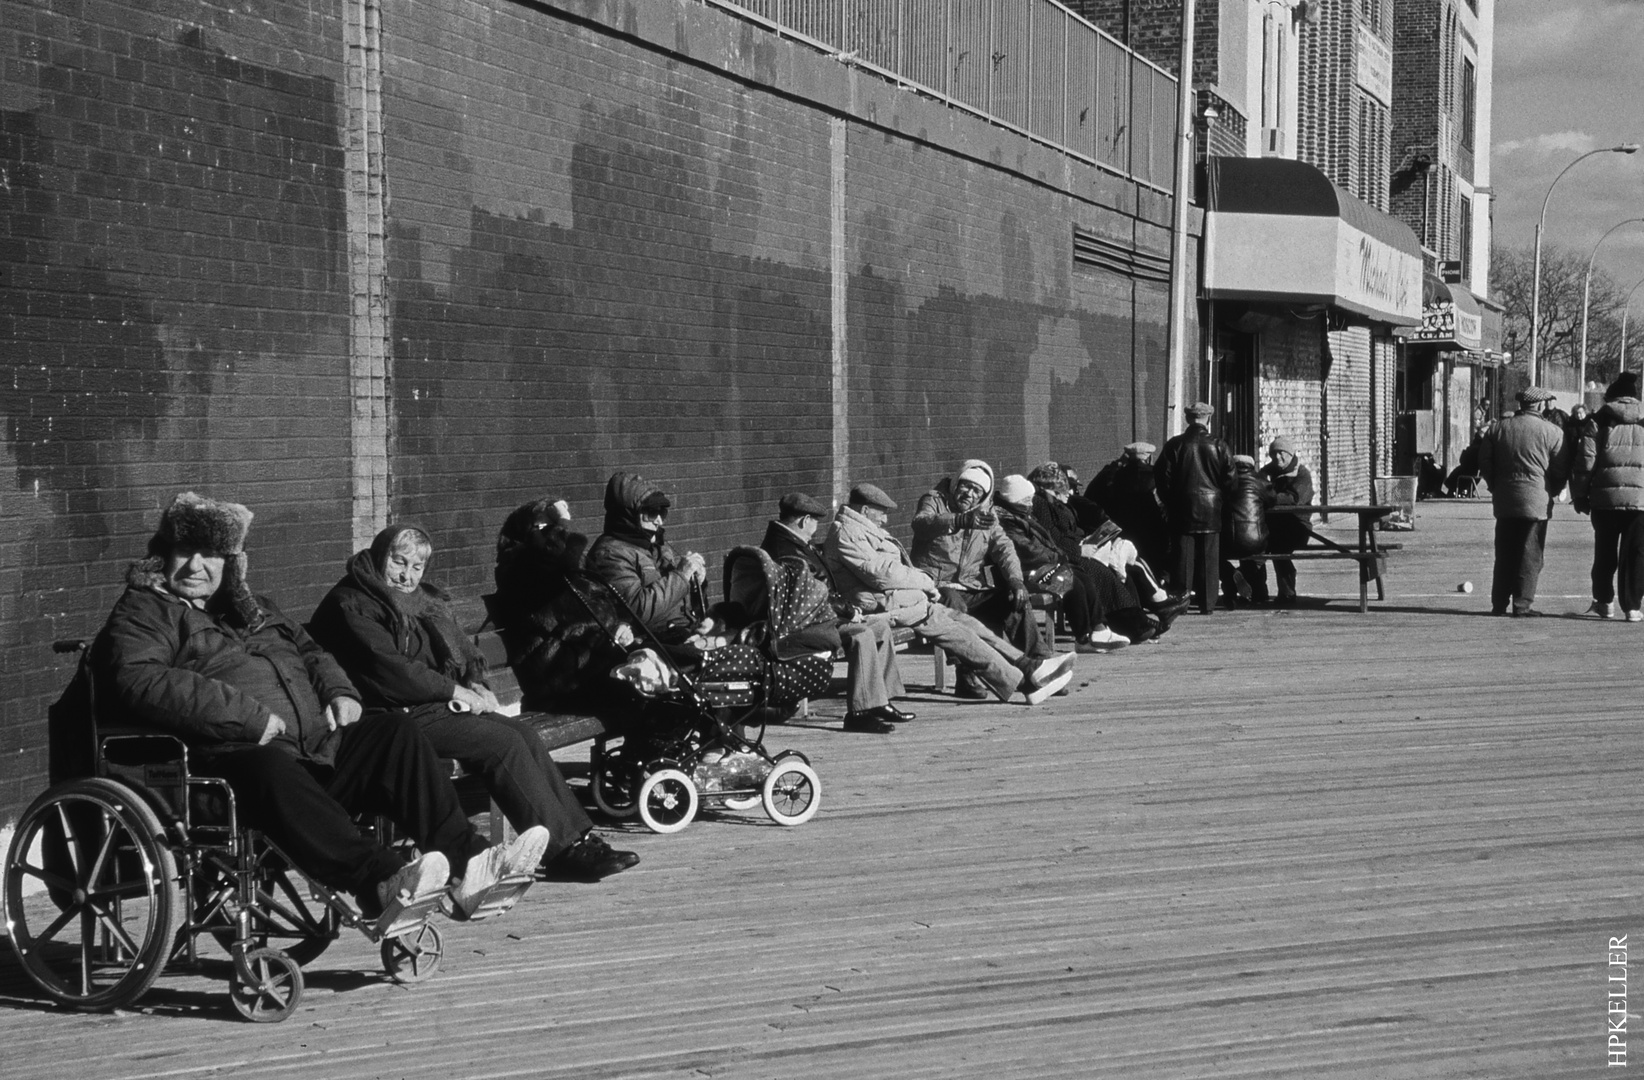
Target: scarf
<point x="428" y="608"/>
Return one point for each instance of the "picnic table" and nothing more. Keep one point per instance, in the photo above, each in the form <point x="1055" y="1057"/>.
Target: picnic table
<point x="1368" y="553"/>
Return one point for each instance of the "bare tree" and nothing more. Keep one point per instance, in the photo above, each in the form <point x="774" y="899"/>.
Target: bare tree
<point x="1562" y="275"/>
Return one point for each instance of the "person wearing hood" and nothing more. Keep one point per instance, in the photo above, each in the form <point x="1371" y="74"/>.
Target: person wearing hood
<point x="562" y="629"/>
<point x="1608" y="484"/>
<point x="633" y="556"/>
<point x="1525" y="460"/>
<point x="1292" y="486"/>
<point x="1194" y="472"/>
<point x="958" y="542"/>
<point x="872" y="677"/>
<point x="874" y="573"/>
<point x="189" y="650"/>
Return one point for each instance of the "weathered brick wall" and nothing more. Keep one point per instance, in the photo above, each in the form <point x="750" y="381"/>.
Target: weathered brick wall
<point x="1416" y="72"/>
<point x="172" y="307"/>
<point x="649" y="246"/>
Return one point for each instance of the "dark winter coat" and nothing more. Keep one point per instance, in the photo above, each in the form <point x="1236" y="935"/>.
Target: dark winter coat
<point x="1609" y="468"/>
<point x="1525" y="460"/>
<point x="395" y="660"/>
<point x="208" y="678"/>
<point x="1245" y="530"/>
<point x="640" y="565"/>
<point x="1060" y="523"/>
<point x="557" y="623"/>
<point x="1036" y="549"/>
<point x="1125" y="490"/>
<point x="1291" y="487"/>
<point x="1194" y="472"/>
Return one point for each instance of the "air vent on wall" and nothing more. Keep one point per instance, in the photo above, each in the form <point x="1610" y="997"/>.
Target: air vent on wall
<point x="1095" y="251"/>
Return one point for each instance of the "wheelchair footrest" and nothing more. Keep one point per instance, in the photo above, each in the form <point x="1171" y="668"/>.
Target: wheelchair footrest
<point x="403" y="915"/>
<point x="495" y="900"/>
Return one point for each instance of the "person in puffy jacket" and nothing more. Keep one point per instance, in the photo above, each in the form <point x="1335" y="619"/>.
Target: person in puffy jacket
<point x="1194" y="472"/>
<point x="1292" y="486"/>
<point x="1526" y="461"/>
<point x="1244" y="530"/>
<point x="1608" y="483"/>
<point x="189" y="650"/>
<point x="393" y="631"/>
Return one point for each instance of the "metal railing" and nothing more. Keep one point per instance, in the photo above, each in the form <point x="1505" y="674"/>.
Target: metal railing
<point x="1031" y="66"/>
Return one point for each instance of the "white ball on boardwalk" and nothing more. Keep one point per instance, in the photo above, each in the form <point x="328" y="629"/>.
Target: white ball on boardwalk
<point x="1466" y="586"/>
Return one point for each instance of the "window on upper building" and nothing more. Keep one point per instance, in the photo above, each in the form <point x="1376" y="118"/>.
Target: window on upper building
<point x="1469" y="92"/>
<point x="1370" y="14"/>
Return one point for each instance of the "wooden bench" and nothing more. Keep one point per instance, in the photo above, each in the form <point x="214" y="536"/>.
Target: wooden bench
<point x="556" y="730"/>
<point x="1372" y="564"/>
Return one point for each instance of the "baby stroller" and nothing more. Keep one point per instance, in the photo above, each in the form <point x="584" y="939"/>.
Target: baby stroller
<point x="700" y="735"/>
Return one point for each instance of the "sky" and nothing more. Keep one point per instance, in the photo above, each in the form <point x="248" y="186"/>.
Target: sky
<point x="1569" y="77"/>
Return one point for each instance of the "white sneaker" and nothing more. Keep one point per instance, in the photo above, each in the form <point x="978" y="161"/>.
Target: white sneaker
<point x="1601" y="609"/>
<point x="1635" y="616"/>
<point x="1048" y="689"/>
<point x="424" y="876"/>
<point x="1107" y="639"/>
<point x="495" y="863"/>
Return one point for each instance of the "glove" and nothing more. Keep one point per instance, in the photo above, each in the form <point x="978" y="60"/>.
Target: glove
<point x="1019" y="597"/>
<point x="979" y="518"/>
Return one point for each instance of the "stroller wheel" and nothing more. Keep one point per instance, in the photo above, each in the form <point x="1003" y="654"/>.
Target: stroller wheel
<point x="793" y="792"/>
<point x="613" y="788"/>
<point x="667" y="801"/>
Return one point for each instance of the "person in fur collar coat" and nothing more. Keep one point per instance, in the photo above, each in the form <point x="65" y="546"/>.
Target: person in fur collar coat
<point x="396" y="636"/>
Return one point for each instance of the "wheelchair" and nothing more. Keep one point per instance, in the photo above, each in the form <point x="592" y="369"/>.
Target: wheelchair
<point x="112" y="877"/>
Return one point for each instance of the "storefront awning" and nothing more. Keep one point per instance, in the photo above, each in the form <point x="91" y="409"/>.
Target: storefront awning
<point x="1278" y="231"/>
<point x="1450" y="316"/>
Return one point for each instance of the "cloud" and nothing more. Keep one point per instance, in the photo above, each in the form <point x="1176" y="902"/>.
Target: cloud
<point x="1553" y="142"/>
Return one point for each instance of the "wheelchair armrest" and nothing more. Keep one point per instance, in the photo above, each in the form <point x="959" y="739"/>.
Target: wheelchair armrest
<point x="120" y="744"/>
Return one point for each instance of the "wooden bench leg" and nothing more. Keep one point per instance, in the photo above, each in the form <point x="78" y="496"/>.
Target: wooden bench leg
<point x="501" y="832"/>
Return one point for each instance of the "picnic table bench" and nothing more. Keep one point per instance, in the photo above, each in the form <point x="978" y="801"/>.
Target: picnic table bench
<point x="1370" y="555"/>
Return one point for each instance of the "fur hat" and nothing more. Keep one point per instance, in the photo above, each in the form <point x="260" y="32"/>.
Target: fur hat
<point x="1016" y="490"/>
<point x="201" y="524"/>
<point x="197" y="523"/>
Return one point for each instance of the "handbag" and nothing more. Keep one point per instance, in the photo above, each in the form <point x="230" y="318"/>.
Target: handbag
<point x="1056" y="579"/>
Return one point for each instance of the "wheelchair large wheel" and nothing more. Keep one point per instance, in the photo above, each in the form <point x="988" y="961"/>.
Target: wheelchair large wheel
<point x="98" y="933"/>
<point x="793" y="792"/>
<point x="667" y="801"/>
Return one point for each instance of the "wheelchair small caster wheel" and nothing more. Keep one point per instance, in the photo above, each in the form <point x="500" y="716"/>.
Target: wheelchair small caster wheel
<point x="266" y="985"/>
<point x="414" y="955"/>
<point x="793" y="792"/>
<point x="667" y="801"/>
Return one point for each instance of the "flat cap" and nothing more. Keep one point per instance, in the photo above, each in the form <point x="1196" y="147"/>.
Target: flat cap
<point x="795" y="503"/>
<point x="1201" y="408"/>
<point x="1531" y="395"/>
<point x="1140" y="448"/>
<point x="871" y="495"/>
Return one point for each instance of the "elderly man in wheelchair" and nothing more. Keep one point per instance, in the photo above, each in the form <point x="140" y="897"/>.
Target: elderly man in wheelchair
<point x="272" y="722"/>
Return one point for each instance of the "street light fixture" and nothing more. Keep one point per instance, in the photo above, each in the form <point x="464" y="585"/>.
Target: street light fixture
<point x="1624" y="304"/>
<point x="1535" y="286"/>
<point x="1587" y="295"/>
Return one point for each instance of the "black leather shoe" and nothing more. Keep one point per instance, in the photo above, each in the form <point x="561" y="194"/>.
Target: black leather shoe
<point x="867" y="722"/>
<point x="589" y="860"/>
<point x="895" y="715"/>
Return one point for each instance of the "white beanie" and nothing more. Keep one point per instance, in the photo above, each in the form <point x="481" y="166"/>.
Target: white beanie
<point x="978" y="473"/>
<point x="1016" y="490"/>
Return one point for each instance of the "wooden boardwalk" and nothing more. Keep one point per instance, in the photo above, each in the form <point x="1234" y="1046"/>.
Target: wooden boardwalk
<point x="1302" y="844"/>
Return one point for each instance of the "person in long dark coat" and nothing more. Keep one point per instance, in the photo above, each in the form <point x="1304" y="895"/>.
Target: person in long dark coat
<point x="1194" y="472"/>
<point x="395" y="635"/>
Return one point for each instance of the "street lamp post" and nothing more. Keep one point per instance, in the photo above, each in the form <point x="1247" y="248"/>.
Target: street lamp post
<point x="1541" y="225"/>
<point x="1587" y="297"/>
<point x="1624" y="304"/>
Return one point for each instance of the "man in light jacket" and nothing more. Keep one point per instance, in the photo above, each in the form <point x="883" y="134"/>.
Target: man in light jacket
<point x="873" y="572"/>
<point x="1525" y="460"/>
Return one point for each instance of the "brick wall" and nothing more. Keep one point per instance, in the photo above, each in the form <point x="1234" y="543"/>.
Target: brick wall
<point x="172" y="261"/>
<point x="1341" y="130"/>
<point x="650" y="246"/>
<point x="1154" y="29"/>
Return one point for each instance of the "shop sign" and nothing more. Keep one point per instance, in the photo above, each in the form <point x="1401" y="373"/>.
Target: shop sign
<point x="1374" y="70"/>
